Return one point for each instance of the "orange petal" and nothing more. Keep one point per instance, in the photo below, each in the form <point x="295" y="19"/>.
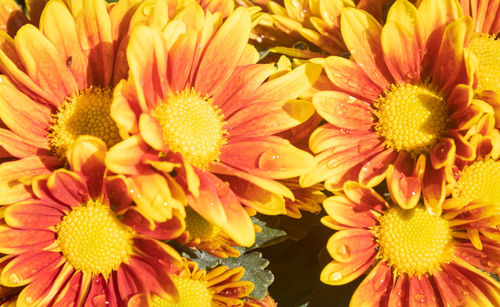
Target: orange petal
<point x="42" y="291"/>
<point x="17" y="146"/>
<point x="86" y="157"/>
<point x="422" y="293"/>
<point x="147" y="58"/>
<point x="117" y="191"/>
<point x="151" y="132"/>
<point x="125" y="108"/>
<point x="28" y="168"/>
<point x="399" y="293"/>
<point x="129" y="163"/>
<point x="266" y="118"/>
<point x="93" y="27"/>
<point x="17" y="241"/>
<point x="449" y="68"/>
<point x="255" y="197"/>
<point x="329" y="137"/>
<point x="218" y="204"/>
<point x="343" y="111"/>
<point x="271" y="157"/>
<point x="374" y="171"/>
<point x="364" y="196"/>
<point x="351" y="244"/>
<point x="28" y="266"/>
<point x="376" y="286"/>
<point x="341" y="273"/>
<point x="180" y="59"/>
<point x="403" y="42"/>
<point x="68" y="188"/>
<point x="402" y="182"/>
<point x="27" y="215"/>
<point x="361" y="33"/>
<point x="44" y="64"/>
<point x="58" y="25"/>
<point x="223" y="52"/>
<point x="290" y="85"/>
<point x="347" y="213"/>
<point x="443" y="154"/>
<point x="155" y="197"/>
<point x="24" y="117"/>
<point x="349" y="76"/>
<point x="168" y="230"/>
<point x="433" y="189"/>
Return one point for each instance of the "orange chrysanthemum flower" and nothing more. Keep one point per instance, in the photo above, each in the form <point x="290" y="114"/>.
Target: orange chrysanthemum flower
<point x="58" y="85"/>
<point x="418" y="257"/>
<point x="73" y="243"/>
<point x="196" y="102"/>
<point x="400" y="112"/>
<point x="216" y="288"/>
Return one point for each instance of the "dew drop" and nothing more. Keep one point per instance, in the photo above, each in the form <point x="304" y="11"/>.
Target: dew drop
<point x="15" y="279"/>
<point x="419" y="298"/>
<point x="146" y="10"/>
<point x="343" y="250"/>
<point x="335" y="276"/>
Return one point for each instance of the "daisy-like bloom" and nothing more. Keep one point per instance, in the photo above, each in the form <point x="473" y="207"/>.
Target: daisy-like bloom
<point x="218" y="287"/>
<point x="417" y="258"/>
<point x="196" y="102"/>
<point x="398" y="112"/>
<point x="486" y="47"/>
<point x="75" y="243"/>
<point x="58" y="84"/>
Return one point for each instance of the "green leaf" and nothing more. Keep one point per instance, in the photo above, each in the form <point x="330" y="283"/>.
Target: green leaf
<point x="268" y="236"/>
<point x="254" y="266"/>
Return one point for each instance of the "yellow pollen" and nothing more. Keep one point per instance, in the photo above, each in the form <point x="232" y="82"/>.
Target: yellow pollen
<point x="480" y="180"/>
<point x="411" y="118"/>
<point x="192" y="126"/>
<point x="487" y="50"/>
<point x="93" y="240"/>
<point x="85" y="113"/>
<point x="198" y="227"/>
<point x="192" y="293"/>
<point x="413" y="241"/>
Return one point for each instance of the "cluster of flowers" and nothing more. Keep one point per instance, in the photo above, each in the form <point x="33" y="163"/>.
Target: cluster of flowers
<point x="127" y="126"/>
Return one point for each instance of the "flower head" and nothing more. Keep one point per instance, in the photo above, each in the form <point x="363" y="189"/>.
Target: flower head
<point x="416" y="255"/>
<point x="197" y="104"/>
<point x="57" y="85"/>
<point x="400" y="113"/>
<point x="220" y="286"/>
<point x="73" y="241"/>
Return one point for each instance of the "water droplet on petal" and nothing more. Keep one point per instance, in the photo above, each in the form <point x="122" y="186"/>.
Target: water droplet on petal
<point x="335" y="276"/>
<point x="343" y="251"/>
<point x="419" y="298"/>
<point x="15" y="279"/>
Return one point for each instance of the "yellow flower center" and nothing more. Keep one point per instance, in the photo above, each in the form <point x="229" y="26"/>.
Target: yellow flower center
<point x="192" y="126"/>
<point x="413" y="241"/>
<point x="411" y="118"/>
<point x="85" y="113"/>
<point x="192" y="293"/>
<point x="487" y="50"/>
<point x="480" y="180"/>
<point x="93" y="240"/>
<point x="198" y="227"/>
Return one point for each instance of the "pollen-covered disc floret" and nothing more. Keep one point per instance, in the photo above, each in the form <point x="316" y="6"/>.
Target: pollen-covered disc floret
<point x="198" y="227"/>
<point x="93" y="240"/>
<point x="192" y="126"/>
<point x="85" y="113"/>
<point x="411" y="118"/>
<point x="192" y="293"/>
<point x="487" y="50"/>
<point x="413" y="241"/>
<point x="480" y="180"/>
